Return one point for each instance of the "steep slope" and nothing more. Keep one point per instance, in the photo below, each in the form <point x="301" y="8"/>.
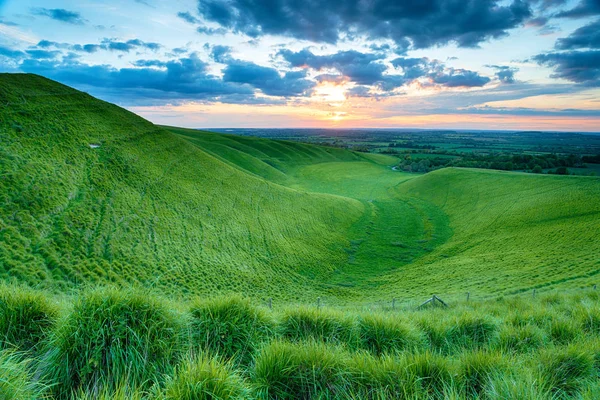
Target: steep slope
<point x="90" y="193"/>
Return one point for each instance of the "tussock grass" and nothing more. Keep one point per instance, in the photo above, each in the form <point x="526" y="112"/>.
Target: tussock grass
<point x="433" y="372"/>
<point x="381" y="334"/>
<point x="566" y="369"/>
<point x="204" y="378"/>
<point x="456" y="333"/>
<point x="325" y="325"/>
<point x="477" y="368"/>
<point x="384" y="377"/>
<point x="520" y="339"/>
<point x="230" y="327"/>
<point x="16" y="380"/>
<point x="26" y="316"/>
<point x="112" y="339"/>
<point x="300" y="371"/>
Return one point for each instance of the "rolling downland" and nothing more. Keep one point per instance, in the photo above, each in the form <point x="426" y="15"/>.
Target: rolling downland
<point x="93" y="194"/>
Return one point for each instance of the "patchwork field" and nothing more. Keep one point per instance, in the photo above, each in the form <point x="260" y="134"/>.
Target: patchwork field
<point x="138" y="262"/>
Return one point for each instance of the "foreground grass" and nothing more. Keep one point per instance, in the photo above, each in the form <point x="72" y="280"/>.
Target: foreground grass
<point x="121" y="344"/>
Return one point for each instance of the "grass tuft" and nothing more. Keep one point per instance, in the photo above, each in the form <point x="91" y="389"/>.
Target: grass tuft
<point x="565" y="369"/>
<point x="230" y="327"/>
<point x="309" y="323"/>
<point x="380" y="334"/>
<point x="16" y="382"/>
<point x="204" y="379"/>
<point x="26" y="317"/>
<point x="300" y="371"/>
<point x="112" y="338"/>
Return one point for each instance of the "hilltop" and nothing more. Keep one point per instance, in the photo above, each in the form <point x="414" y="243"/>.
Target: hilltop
<point x="93" y="194"/>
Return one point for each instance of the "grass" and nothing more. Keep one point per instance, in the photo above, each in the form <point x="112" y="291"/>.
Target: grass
<point x="124" y="266"/>
<point x="121" y="344"/>
<point x="109" y="339"/>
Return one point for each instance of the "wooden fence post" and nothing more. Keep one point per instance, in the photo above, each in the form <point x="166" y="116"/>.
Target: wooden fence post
<point x="533" y="295"/>
<point x="318" y="302"/>
<point x="468" y="295"/>
<point x="270" y="303"/>
<point x="394" y="303"/>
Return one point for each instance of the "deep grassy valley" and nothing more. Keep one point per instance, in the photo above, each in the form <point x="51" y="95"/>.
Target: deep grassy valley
<point x="139" y="261"/>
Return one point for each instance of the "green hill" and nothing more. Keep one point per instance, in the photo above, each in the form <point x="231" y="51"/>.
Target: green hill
<point x="92" y="194"/>
<point x="147" y="207"/>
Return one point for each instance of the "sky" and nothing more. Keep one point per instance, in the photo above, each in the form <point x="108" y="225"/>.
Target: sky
<point x="443" y="64"/>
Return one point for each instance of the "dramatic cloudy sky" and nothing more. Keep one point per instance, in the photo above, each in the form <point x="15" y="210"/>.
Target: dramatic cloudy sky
<point x="515" y="64"/>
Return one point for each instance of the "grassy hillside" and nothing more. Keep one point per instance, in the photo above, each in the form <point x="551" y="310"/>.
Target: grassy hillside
<point x="91" y="193"/>
<point x="146" y="207"/>
<point x="125" y="223"/>
<point x="451" y="231"/>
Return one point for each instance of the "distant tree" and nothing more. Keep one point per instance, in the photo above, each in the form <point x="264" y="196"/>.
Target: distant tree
<point x="537" y="170"/>
<point x="561" y="171"/>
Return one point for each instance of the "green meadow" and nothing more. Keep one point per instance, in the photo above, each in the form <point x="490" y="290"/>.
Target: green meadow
<point x="138" y="261"/>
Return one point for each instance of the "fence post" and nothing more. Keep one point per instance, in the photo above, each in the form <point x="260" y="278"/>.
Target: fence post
<point x="318" y="302"/>
<point x="594" y="287"/>
<point x="394" y="303"/>
<point x="533" y="295"/>
<point x="468" y="295"/>
<point x="270" y="303"/>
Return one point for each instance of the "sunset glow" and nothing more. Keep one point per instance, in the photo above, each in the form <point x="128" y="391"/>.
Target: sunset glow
<point x="527" y="65"/>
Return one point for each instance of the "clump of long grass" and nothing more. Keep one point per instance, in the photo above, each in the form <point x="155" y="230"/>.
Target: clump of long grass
<point x="477" y="368"/>
<point x="520" y="339"/>
<point x="385" y="377"/>
<point x="589" y="318"/>
<point x="522" y="385"/>
<point x="204" y="378"/>
<point x="563" y="331"/>
<point x="433" y="372"/>
<point x="26" y="317"/>
<point x="566" y="369"/>
<point x="454" y="334"/>
<point x="309" y="323"/>
<point x="380" y="334"/>
<point x="230" y="327"/>
<point x="111" y="339"/>
<point x="300" y="371"/>
<point x="16" y="381"/>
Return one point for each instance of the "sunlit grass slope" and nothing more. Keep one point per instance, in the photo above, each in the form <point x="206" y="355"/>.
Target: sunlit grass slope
<point x="147" y="207"/>
<point x="451" y="231"/>
<point x="90" y="193"/>
<point x="510" y="232"/>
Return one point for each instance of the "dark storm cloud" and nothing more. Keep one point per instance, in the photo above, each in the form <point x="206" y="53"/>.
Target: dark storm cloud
<point x="587" y="36"/>
<point x="505" y="74"/>
<point x="361" y="68"/>
<point x="585" y="8"/>
<point x="425" y="23"/>
<point x="267" y="79"/>
<point x="185" y="78"/>
<point x="188" y="17"/>
<point x="60" y="14"/>
<point x="437" y="73"/>
<point x="576" y="66"/>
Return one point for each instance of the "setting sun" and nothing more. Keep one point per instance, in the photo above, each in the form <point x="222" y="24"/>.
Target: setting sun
<point x="332" y="93"/>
